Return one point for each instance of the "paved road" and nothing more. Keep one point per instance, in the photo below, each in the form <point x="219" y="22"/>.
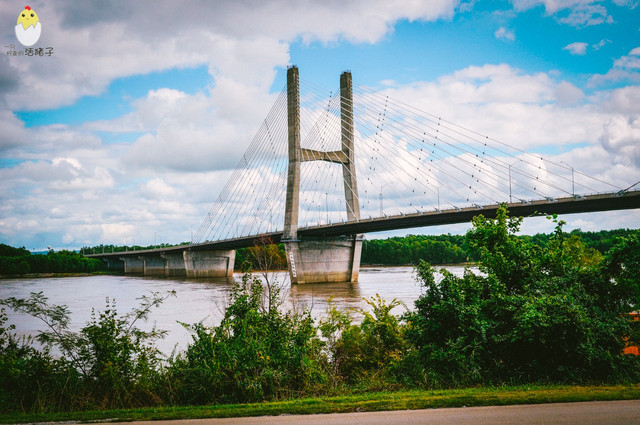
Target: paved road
<point x="588" y="413"/>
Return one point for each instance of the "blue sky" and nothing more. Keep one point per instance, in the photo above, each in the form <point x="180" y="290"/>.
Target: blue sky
<point x="102" y="142"/>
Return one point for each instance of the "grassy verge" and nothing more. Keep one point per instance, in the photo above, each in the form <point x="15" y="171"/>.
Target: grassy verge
<point x="352" y="403"/>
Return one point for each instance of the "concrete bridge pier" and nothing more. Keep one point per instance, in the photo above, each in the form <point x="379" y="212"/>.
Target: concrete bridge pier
<point x="324" y="260"/>
<point x="133" y="265"/>
<point x="214" y="263"/>
<point x="154" y="265"/>
<point x="114" y="263"/>
<point x="174" y="264"/>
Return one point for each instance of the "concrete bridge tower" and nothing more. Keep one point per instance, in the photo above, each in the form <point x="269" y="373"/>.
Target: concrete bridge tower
<point x="320" y="259"/>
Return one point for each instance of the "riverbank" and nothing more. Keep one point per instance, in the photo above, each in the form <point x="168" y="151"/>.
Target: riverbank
<point x="369" y="402"/>
<point x="57" y="275"/>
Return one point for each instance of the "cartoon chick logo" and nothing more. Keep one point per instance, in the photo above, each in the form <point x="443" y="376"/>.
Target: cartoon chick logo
<point x="28" y="27"/>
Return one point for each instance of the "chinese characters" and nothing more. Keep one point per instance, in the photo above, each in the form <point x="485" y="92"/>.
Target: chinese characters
<point x="29" y="51"/>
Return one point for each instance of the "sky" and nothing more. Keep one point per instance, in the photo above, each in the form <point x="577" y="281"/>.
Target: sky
<point x="128" y="130"/>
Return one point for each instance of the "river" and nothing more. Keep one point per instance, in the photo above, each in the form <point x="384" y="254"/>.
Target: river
<point x="202" y="299"/>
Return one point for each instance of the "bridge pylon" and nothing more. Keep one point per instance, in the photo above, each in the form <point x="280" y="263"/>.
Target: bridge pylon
<point x="321" y="259"/>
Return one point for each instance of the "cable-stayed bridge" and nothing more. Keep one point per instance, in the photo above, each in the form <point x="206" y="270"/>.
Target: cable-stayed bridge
<point x="327" y="166"/>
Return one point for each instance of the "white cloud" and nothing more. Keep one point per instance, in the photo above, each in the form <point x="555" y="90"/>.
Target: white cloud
<point x="629" y="63"/>
<point x="624" y="68"/>
<point x="621" y="137"/>
<point x="158" y="188"/>
<point x="467" y="6"/>
<point x="581" y="13"/>
<point x="503" y="33"/>
<point x="596" y="135"/>
<point x="622" y="101"/>
<point x="585" y="15"/>
<point x="600" y="44"/>
<point x="568" y="94"/>
<point x="550" y="6"/>
<point x="503" y="102"/>
<point x="631" y="4"/>
<point x="577" y="48"/>
<point x="233" y="38"/>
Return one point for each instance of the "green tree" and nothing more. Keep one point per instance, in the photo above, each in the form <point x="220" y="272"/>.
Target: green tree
<point x="534" y="313"/>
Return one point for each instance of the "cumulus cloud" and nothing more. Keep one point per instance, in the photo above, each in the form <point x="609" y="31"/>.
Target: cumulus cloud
<point x="631" y="4"/>
<point x="577" y="48"/>
<point x="622" y="101"/>
<point x="621" y="137"/>
<point x="625" y="68"/>
<point x="597" y="135"/>
<point x="503" y="33"/>
<point x="176" y="138"/>
<point x="567" y="94"/>
<point x="96" y="42"/>
<point x="579" y="13"/>
<point x="503" y="102"/>
<point x="599" y="45"/>
<point x="550" y="6"/>
<point x="585" y="15"/>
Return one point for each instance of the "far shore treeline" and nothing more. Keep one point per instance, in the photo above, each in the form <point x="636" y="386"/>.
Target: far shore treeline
<point x="19" y="261"/>
<point x="396" y="251"/>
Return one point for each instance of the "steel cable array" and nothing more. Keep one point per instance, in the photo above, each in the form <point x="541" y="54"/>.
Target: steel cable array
<point x="407" y="161"/>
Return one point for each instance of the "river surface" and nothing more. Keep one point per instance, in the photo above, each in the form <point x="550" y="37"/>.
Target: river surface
<point x="202" y="299"/>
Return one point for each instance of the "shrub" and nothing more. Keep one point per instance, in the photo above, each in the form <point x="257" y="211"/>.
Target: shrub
<point x="109" y="363"/>
<point x="256" y="353"/>
<point x="367" y="354"/>
<point x="557" y="313"/>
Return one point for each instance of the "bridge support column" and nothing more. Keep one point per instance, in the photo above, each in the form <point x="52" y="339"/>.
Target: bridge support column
<point x="215" y="263"/>
<point x="335" y="259"/>
<point x="133" y="265"/>
<point x="174" y="265"/>
<point x="114" y="263"/>
<point x="154" y="265"/>
<point x="324" y="260"/>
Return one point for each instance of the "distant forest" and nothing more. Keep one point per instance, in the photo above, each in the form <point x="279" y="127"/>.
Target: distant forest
<point x="19" y="261"/>
<point x="407" y="250"/>
<point x="454" y="249"/>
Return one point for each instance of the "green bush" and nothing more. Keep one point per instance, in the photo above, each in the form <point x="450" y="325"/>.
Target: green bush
<point x="110" y="363"/>
<point x="257" y="352"/>
<point x="366" y="355"/>
<point x="556" y="313"/>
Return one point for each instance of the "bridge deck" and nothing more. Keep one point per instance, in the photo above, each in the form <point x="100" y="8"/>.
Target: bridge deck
<point x="569" y="205"/>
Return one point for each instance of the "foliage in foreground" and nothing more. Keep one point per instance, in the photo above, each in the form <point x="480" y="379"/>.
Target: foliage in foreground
<point x="558" y="313"/>
<point x="257" y="353"/>
<point x="552" y="313"/>
<point x="110" y="363"/>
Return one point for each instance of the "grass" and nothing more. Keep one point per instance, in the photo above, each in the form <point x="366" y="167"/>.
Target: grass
<point x="353" y="403"/>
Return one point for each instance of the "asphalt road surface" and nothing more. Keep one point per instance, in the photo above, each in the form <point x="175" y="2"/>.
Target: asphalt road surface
<point x="587" y="413"/>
